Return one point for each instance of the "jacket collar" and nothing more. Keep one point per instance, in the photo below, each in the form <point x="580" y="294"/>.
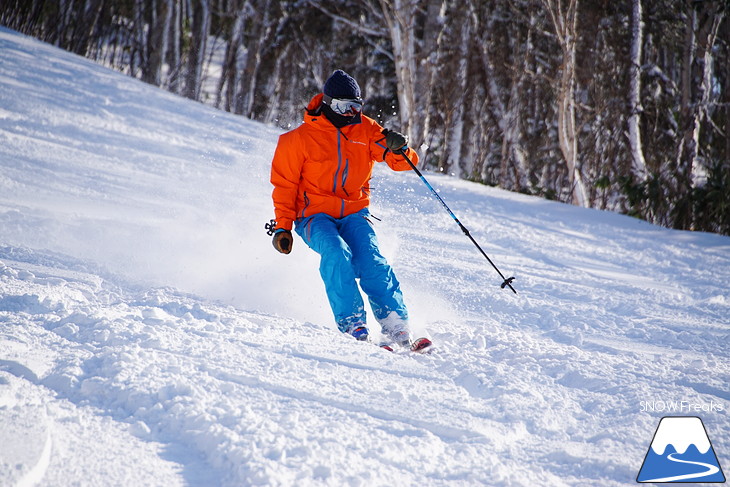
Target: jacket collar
<point x="314" y="109"/>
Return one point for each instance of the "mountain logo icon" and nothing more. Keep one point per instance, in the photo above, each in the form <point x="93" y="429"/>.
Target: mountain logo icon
<point x="681" y="452"/>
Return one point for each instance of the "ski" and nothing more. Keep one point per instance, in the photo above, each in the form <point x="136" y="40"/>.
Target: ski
<point x="420" y="345"/>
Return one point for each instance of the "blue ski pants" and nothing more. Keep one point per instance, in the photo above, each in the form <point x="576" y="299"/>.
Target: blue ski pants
<point x="349" y="251"/>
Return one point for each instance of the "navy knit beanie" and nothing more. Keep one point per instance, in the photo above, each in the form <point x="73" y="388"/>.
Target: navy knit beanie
<point x="341" y="85"/>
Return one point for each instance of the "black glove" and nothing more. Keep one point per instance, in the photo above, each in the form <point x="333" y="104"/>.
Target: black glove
<point x="283" y="240"/>
<point x="395" y="141"/>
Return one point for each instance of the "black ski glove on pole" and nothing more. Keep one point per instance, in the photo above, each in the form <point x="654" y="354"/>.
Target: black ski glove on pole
<point x="283" y="241"/>
<point x="395" y="141"/>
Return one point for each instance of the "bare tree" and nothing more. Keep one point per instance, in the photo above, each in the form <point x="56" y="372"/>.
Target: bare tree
<point x="173" y="57"/>
<point x="230" y="70"/>
<point x="702" y="23"/>
<point x="414" y="29"/>
<point x="196" y="55"/>
<point x="638" y="164"/>
<point x="564" y="21"/>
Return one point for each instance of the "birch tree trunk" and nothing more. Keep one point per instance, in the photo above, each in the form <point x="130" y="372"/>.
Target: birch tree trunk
<point x="196" y="55"/>
<point x="173" y="57"/>
<point x="246" y="95"/>
<point x="638" y="164"/>
<point x="726" y="95"/>
<point x="702" y="28"/>
<point x="158" y="33"/>
<point x="430" y="57"/>
<point x="399" y="16"/>
<point x="229" y="69"/>
<point x="414" y="27"/>
<point x="455" y="113"/>
<point x="565" y="25"/>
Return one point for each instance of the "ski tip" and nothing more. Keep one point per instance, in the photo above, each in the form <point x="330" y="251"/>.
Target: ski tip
<point x="421" y="345"/>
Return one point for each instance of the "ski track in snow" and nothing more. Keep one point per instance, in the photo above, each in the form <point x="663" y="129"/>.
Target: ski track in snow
<point x="150" y="335"/>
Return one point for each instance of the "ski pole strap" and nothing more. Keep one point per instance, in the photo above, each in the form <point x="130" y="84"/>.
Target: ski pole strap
<point x="507" y="281"/>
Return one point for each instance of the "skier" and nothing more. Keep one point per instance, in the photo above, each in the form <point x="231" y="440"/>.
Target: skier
<point x="321" y="175"/>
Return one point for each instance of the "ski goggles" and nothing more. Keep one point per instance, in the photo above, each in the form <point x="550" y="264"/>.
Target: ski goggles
<point x="347" y="108"/>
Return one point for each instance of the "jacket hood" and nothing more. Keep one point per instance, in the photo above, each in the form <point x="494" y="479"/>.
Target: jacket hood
<point x="315" y="105"/>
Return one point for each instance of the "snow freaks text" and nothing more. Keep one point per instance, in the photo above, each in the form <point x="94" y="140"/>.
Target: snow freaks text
<point x="680" y="407"/>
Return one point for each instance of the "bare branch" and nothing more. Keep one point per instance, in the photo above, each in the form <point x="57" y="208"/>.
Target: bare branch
<point x="359" y="27"/>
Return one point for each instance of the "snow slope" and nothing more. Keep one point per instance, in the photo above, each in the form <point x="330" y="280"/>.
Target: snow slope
<point x="150" y="335"/>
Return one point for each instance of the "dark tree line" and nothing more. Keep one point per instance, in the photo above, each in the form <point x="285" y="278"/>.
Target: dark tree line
<point x="622" y="105"/>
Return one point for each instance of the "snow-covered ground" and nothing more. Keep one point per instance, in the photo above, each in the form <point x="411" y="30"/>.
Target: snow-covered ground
<point x="150" y="334"/>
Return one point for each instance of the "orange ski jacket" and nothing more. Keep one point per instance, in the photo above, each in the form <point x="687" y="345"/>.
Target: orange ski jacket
<point x="318" y="168"/>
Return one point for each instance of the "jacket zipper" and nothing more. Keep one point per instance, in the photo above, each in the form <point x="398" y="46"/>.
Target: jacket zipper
<point x="344" y="175"/>
<point x="306" y="204"/>
<point x="339" y="162"/>
<point x="345" y="170"/>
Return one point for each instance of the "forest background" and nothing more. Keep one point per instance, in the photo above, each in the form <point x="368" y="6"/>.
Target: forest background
<point x="618" y="105"/>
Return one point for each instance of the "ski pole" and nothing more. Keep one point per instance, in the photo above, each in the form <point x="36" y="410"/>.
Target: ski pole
<point x="507" y="281"/>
